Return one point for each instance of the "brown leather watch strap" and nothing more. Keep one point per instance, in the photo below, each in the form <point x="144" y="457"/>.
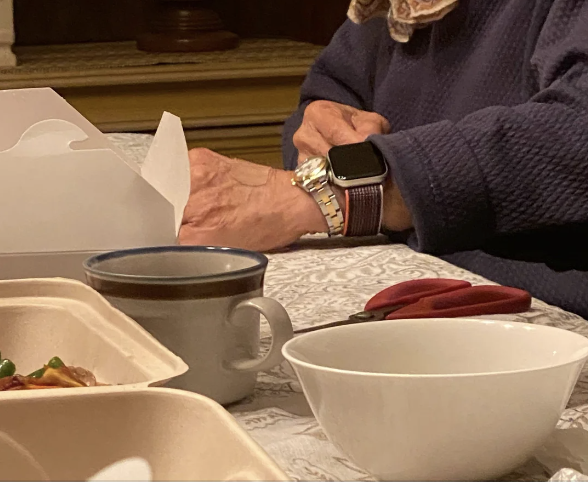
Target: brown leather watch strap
<point x="363" y="210"/>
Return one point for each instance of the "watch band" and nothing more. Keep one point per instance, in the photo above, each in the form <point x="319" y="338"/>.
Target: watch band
<point x="312" y="175"/>
<point x="325" y="198"/>
<point x="363" y="210"/>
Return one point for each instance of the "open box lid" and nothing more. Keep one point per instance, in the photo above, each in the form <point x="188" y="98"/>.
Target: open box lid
<point x="65" y="187"/>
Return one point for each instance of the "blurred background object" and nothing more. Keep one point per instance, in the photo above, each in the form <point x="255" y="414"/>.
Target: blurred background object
<point x="74" y="21"/>
<point x="7" y="58"/>
<point x="233" y="100"/>
<point x="185" y="26"/>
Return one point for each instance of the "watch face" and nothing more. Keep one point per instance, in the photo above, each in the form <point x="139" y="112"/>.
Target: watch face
<point x="356" y="161"/>
<point x="310" y="168"/>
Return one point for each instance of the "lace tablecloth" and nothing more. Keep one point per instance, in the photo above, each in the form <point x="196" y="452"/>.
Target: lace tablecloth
<point x="321" y="280"/>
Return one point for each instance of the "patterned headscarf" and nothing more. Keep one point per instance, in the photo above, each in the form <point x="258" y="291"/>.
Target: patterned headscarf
<point x="404" y="16"/>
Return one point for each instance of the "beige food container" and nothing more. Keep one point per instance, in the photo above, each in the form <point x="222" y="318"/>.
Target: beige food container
<point x="42" y="318"/>
<point x="73" y="433"/>
<point x="182" y="435"/>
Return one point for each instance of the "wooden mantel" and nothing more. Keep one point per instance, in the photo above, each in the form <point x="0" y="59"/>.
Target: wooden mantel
<point x="234" y="101"/>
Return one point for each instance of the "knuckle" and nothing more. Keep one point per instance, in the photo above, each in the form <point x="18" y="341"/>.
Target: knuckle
<point x="366" y="117"/>
<point x="302" y="140"/>
<point x="310" y="110"/>
<point x="199" y="153"/>
<point x="371" y="121"/>
<point x="303" y="143"/>
<point x="371" y="116"/>
<point x="317" y="108"/>
<point x="378" y="118"/>
<point x="297" y="138"/>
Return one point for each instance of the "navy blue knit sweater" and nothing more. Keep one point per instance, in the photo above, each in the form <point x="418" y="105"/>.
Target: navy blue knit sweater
<point x="489" y="113"/>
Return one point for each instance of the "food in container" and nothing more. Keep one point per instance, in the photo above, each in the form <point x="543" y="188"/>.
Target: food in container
<point x="54" y="374"/>
<point x="41" y="318"/>
<point x="73" y="434"/>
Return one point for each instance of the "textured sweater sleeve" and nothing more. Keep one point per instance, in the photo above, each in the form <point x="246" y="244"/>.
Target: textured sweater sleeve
<point x="351" y="55"/>
<point x="505" y="170"/>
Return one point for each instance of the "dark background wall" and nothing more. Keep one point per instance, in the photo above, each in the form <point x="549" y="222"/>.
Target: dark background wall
<point x="40" y="22"/>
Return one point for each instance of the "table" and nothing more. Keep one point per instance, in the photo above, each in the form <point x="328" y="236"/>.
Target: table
<point x="319" y="280"/>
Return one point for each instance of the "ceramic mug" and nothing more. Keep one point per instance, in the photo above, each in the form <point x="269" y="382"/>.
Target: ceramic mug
<point x="202" y="303"/>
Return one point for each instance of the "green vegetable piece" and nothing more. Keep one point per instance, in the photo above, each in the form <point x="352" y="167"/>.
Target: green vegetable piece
<point x="7" y="368"/>
<point x="55" y="362"/>
<point x="37" y="373"/>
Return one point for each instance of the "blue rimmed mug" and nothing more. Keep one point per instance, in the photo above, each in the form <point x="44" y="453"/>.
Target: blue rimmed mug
<point x="202" y="303"/>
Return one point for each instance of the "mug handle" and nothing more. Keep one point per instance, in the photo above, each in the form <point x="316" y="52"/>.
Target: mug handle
<point x="280" y="325"/>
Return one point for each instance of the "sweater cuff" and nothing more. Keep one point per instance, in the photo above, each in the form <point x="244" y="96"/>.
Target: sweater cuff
<point x="442" y="186"/>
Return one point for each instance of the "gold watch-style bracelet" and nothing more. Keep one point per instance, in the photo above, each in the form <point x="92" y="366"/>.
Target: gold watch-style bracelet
<point x="312" y="176"/>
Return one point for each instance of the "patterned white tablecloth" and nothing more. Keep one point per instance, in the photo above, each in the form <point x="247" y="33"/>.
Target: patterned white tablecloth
<point x="320" y="280"/>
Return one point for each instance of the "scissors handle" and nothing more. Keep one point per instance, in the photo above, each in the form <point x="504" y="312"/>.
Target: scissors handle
<point x="472" y="301"/>
<point x="409" y="292"/>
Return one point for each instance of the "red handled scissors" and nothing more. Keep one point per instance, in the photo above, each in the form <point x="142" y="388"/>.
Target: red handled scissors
<point x="436" y="298"/>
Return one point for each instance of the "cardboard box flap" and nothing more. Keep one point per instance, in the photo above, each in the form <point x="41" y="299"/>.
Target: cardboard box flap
<point x="56" y="196"/>
<point x="71" y="200"/>
<point x="22" y="108"/>
<point x="167" y="167"/>
<point x="49" y="137"/>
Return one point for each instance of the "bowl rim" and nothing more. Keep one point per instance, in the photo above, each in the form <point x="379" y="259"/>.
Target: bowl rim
<point x="582" y="352"/>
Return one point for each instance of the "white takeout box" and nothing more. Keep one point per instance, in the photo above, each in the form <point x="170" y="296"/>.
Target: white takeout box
<point x="183" y="436"/>
<point x="67" y="193"/>
<point x="43" y="318"/>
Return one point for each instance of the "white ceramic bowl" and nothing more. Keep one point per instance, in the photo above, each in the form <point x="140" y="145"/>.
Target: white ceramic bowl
<point x="438" y="399"/>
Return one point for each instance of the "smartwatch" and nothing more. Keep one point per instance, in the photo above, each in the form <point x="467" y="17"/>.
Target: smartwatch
<point x="361" y="170"/>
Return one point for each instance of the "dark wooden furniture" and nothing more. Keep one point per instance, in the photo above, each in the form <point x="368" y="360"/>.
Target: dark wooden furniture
<point x="232" y="101"/>
<point x="185" y="26"/>
<point x="74" y="21"/>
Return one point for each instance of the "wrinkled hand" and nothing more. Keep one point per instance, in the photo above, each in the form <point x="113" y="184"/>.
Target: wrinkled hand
<point x="234" y="203"/>
<point x="327" y="124"/>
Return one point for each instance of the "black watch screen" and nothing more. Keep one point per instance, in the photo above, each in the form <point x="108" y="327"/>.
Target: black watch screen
<point x="357" y="161"/>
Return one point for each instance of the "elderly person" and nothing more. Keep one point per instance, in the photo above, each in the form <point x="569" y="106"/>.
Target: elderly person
<point x="475" y="114"/>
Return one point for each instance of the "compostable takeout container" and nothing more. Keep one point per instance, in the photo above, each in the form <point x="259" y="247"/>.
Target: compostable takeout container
<point x="183" y="436"/>
<point x="72" y="433"/>
<point x="67" y="193"/>
<point x="42" y="318"/>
